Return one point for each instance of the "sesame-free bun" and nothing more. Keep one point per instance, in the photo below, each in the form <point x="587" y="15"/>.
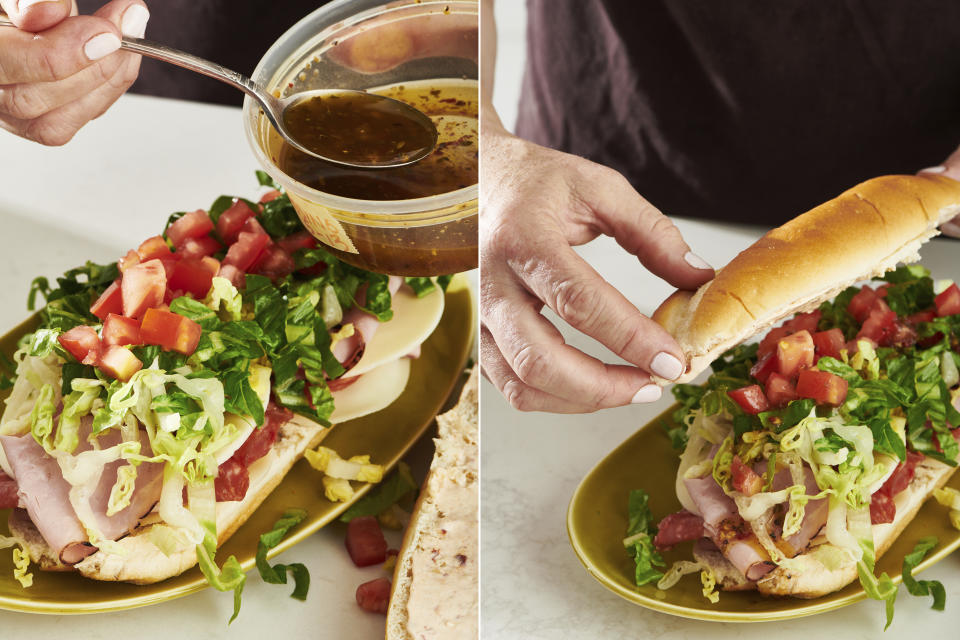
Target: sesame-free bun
<point x="862" y="233"/>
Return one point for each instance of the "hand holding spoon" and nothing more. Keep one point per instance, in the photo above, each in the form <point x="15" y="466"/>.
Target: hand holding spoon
<point x="346" y="127"/>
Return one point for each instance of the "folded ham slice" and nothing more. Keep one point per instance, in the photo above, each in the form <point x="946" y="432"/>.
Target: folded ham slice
<point x="46" y="495"/>
<point x="348" y="351"/>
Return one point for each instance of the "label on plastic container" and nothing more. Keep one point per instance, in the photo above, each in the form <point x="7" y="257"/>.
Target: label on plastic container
<point x="322" y="225"/>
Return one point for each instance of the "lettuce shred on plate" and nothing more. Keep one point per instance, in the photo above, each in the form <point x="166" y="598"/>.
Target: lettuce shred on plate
<point x="270" y="338"/>
<point x="836" y="409"/>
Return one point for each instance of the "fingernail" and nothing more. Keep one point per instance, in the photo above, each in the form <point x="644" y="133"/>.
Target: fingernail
<point x="101" y="45"/>
<point x="696" y="261"/>
<point x="937" y="169"/>
<point x="23" y="5"/>
<point x="648" y="393"/>
<point x="666" y="366"/>
<point x="134" y="21"/>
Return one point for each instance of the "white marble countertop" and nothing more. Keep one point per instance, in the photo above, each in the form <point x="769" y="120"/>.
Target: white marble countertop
<point x="93" y="199"/>
<point x="533" y="585"/>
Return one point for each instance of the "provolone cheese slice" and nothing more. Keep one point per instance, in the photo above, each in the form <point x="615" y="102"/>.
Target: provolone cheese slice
<point x="374" y="391"/>
<point x="414" y="319"/>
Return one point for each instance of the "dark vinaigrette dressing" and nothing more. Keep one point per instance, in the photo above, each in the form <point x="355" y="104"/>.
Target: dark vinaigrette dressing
<point x="451" y="166"/>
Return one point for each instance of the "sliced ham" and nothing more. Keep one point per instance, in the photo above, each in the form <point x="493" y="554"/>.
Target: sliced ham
<point x="748" y="557"/>
<point x="676" y="528"/>
<point x="712" y="503"/>
<point x="46" y="495"/>
<point x="348" y="351"/>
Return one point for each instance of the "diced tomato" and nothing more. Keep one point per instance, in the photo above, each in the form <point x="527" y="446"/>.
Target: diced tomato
<point x="142" y="287"/>
<point x="780" y="390"/>
<point x="921" y="316"/>
<point x="829" y="343"/>
<point x="259" y="442"/>
<point x="244" y="252"/>
<point x="170" y="331"/>
<point x="882" y="290"/>
<point x="769" y="342"/>
<point x="882" y="508"/>
<point x="232" y="481"/>
<point x="232" y="220"/>
<point x="745" y="480"/>
<point x="298" y="240"/>
<point x="198" y="247"/>
<point x="196" y="224"/>
<point x="365" y="541"/>
<point x="901" y="336"/>
<point x="822" y="386"/>
<point x="119" y="362"/>
<point x="120" y="330"/>
<point x="794" y="352"/>
<point x="252" y="225"/>
<point x="374" y="596"/>
<point x="766" y="365"/>
<point x="236" y="276"/>
<point x="274" y="263"/>
<point x="750" y="399"/>
<point x="82" y="343"/>
<point x="859" y="306"/>
<point x="194" y="276"/>
<point x="878" y="326"/>
<point x="273" y="194"/>
<point x="948" y="302"/>
<point x="155" y="247"/>
<point x="128" y="260"/>
<point x="110" y="301"/>
<point x="803" y="322"/>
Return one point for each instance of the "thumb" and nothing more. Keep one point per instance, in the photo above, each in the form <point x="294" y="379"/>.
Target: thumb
<point x="36" y="15"/>
<point x="950" y="167"/>
<point x="640" y="228"/>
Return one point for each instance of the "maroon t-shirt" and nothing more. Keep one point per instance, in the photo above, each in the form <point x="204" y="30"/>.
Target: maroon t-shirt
<point x="747" y="110"/>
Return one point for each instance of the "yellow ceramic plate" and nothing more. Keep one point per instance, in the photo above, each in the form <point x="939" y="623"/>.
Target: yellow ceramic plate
<point x="385" y="435"/>
<point x="597" y="522"/>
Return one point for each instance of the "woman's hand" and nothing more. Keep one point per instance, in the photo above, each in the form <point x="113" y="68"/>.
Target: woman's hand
<point x="59" y="70"/>
<point x="535" y="204"/>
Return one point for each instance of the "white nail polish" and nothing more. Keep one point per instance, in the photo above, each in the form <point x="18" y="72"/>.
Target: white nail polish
<point x="134" y="21"/>
<point x="23" y="5"/>
<point x="666" y="366"/>
<point x="696" y="261"/>
<point x="101" y="45"/>
<point x="937" y="169"/>
<point x="647" y="393"/>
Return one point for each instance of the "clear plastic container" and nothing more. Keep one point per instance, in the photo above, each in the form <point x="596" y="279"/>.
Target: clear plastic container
<point x="366" y="44"/>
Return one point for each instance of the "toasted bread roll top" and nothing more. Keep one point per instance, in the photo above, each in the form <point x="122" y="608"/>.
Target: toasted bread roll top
<point x="862" y="233"/>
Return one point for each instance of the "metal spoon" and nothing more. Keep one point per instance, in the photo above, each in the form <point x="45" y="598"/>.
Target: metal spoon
<point x="276" y="109"/>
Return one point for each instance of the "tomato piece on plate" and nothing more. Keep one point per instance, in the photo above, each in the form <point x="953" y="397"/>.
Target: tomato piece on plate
<point x="803" y="322"/>
<point x="196" y="224"/>
<point x="243" y="253"/>
<point x="859" y="306"/>
<point x="882" y="508"/>
<point x="750" y="398"/>
<point x="794" y="352"/>
<point x="142" y="287"/>
<point x="110" y="301"/>
<point x="766" y="365"/>
<point x="948" y="301"/>
<point x="198" y="247"/>
<point x="829" y="343"/>
<point x="780" y="390"/>
<point x="273" y="194"/>
<point x="769" y="343"/>
<point x="822" y="386"/>
<point x="128" y="260"/>
<point x="374" y="596"/>
<point x="120" y="330"/>
<point x="170" y="331"/>
<point x="879" y="326"/>
<point x="232" y="481"/>
<point x="744" y="479"/>
<point x="365" y="541"/>
<point x="119" y="362"/>
<point x="275" y="263"/>
<point x="298" y="240"/>
<point x="194" y="276"/>
<point x="155" y="247"/>
<point x="232" y="220"/>
<point x="82" y="343"/>
<point x="236" y="276"/>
